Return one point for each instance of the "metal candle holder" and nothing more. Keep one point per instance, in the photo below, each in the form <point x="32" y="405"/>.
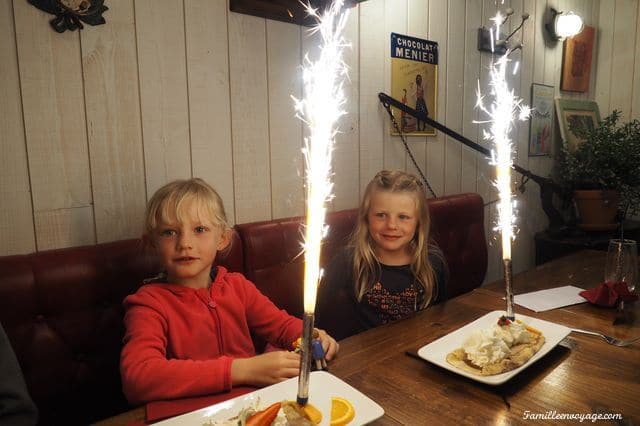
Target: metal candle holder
<point x="305" y="353"/>
<point x="508" y="281"/>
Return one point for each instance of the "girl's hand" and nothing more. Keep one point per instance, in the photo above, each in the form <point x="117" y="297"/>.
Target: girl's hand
<point x="265" y="369"/>
<point x="329" y="344"/>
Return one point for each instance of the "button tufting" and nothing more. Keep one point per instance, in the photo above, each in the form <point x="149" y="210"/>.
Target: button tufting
<point x="40" y="318"/>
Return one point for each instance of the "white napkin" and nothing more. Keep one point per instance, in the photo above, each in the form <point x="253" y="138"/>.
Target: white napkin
<point x="545" y="300"/>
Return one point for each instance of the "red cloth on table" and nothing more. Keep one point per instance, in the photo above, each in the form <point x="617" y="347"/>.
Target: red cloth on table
<point x="608" y="294"/>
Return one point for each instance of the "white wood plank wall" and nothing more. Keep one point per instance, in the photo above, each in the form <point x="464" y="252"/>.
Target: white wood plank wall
<point x="93" y="122"/>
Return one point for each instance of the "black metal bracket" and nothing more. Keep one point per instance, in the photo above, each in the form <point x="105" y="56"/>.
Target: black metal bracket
<point x="547" y="186"/>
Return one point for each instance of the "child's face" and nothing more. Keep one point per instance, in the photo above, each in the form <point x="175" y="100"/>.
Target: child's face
<point x="188" y="249"/>
<point x="393" y="219"/>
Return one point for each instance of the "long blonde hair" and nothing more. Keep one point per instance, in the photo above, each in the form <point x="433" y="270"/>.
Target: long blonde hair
<point x="366" y="267"/>
<point x="173" y="199"/>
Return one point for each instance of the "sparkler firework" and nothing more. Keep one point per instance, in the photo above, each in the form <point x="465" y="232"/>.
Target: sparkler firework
<point x="320" y="110"/>
<point x="502" y="112"/>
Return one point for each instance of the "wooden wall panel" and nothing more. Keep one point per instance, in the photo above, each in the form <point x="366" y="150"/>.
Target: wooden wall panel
<point x="110" y="71"/>
<point x="454" y="92"/>
<point x="207" y="49"/>
<point x="624" y="39"/>
<point x="372" y="116"/>
<point x="395" y="20"/>
<point x="346" y="162"/>
<point x="523" y="247"/>
<point x="55" y="128"/>
<point x="604" y="58"/>
<point x="418" y="26"/>
<point x="213" y="102"/>
<point x="249" y="117"/>
<point x="16" y="212"/>
<point x="163" y="91"/>
<point x="470" y="158"/>
<point x="284" y="58"/>
<point x="438" y="20"/>
<point x="635" y="89"/>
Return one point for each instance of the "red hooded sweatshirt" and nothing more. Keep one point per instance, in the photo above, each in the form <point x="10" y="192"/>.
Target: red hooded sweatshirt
<point x="180" y="341"/>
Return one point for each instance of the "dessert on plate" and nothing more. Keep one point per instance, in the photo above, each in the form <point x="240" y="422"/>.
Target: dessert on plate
<point x="502" y="347"/>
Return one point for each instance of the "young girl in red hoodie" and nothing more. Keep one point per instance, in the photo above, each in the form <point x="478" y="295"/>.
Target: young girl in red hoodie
<point x="188" y="330"/>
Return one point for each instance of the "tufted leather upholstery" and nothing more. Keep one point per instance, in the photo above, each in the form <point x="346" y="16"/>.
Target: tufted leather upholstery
<point x="62" y="309"/>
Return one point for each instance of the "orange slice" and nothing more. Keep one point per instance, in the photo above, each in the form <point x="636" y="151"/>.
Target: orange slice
<point x="312" y="413"/>
<point x="342" y="412"/>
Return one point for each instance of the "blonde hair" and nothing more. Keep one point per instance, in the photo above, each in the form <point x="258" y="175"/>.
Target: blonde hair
<point x="171" y="202"/>
<point x="366" y="267"/>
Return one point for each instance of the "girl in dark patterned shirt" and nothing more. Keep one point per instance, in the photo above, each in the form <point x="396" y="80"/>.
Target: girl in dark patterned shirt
<point x="390" y="269"/>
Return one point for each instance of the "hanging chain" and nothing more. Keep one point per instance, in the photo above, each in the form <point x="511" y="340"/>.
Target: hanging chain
<point x="406" y="147"/>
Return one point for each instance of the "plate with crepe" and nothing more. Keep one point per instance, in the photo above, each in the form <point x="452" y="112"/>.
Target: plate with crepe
<point x="493" y="353"/>
<point x="322" y="387"/>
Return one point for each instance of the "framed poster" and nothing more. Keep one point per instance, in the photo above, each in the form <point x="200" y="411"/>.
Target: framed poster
<point x="414" y="81"/>
<point x="576" y="61"/>
<point x="541" y="119"/>
<point x="576" y="113"/>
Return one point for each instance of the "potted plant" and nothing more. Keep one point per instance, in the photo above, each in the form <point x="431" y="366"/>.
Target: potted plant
<point x="602" y="172"/>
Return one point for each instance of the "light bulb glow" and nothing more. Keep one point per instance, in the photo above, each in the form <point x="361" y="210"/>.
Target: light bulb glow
<point x="567" y="24"/>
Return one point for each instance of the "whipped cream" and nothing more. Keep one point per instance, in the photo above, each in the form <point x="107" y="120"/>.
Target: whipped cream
<point x="493" y="344"/>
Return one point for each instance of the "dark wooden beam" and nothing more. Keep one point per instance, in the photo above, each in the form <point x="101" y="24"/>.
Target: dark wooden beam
<point x="291" y="11"/>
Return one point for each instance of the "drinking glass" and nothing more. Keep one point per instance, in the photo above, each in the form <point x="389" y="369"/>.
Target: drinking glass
<point x="622" y="263"/>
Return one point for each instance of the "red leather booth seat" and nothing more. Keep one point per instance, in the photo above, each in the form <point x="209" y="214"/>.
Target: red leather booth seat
<point x="62" y="309"/>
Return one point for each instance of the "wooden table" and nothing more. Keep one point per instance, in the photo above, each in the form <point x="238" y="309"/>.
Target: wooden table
<point x="583" y="375"/>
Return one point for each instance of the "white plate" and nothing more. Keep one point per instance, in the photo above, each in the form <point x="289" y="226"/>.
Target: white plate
<point x="322" y="387"/>
<point x="436" y="351"/>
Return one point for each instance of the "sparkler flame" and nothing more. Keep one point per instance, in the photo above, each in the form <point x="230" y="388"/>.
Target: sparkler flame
<point x="320" y="110"/>
<point x="501" y="115"/>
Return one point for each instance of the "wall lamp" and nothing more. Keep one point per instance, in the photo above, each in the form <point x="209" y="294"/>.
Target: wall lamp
<point x="563" y="24"/>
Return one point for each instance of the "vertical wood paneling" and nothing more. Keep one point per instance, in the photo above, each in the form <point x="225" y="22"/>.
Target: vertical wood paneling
<point x="523" y="245"/>
<point x="605" y="60"/>
<point x="16" y="212"/>
<point x="113" y="114"/>
<point x="214" y="102"/>
<point x="418" y="26"/>
<point x="372" y="115"/>
<point x="485" y="170"/>
<point x="346" y="148"/>
<point x="285" y="130"/>
<point x="470" y="158"/>
<point x="455" y="51"/>
<point x="56" y="132"/>
<point x="249" y="117"/>
<point x="623" y="43"/>
<point x="635" y="92"/>
<point x="438" y="15"/>
<point x="395" y="20"/>
<point x="163" y="91"/>
<point x="209" y="100"/>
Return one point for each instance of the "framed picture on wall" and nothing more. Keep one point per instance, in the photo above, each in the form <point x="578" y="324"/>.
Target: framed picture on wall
<point x="576" y="113"/>
<point x="414" y="81"/>
<point x="576" y="61"/>
<point x="541" y="119"/>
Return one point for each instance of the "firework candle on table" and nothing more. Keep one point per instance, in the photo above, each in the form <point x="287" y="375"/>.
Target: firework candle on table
<point x="320" y="109"/>
<point x="501" y="112"/>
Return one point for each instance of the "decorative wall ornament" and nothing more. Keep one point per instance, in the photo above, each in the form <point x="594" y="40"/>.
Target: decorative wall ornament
<point x="71" y="13"/>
